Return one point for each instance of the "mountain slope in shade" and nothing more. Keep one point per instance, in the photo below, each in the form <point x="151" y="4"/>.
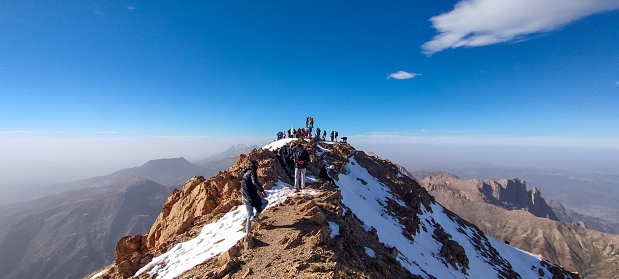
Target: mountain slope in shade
<point x="169" y="172"/>
<point x="570" y="216"/>
<point x="380" y="224"/>
<point x="592" y="253"/>
<point x="69" y="234"/>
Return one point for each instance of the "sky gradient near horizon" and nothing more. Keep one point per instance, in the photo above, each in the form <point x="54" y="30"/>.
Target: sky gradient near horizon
<point x="497" y="72"/>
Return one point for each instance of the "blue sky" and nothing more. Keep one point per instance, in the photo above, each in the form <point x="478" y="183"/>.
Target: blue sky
<point x="479" y="70"/>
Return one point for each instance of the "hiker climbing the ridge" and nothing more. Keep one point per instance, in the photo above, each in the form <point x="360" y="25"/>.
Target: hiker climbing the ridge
<point x="324" y="135"/>
<point x="282" y="156"/>
<point x="301" y="160"/>
<point x="318" y="132"/>
<point x="325" y="175"/>
<point x="250" y="187"/>
<point x="332" y="134"/>
<point x="336" y="136"/>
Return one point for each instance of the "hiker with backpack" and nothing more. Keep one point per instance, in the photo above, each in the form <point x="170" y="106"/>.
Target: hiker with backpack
<point x="282" y="157"/>
<point x="325" y="175"/>
<point x="250" y="187"/>
<point x="336" y="136"/>
<point x="301" y="160"/>
<point x="332" y="134"/>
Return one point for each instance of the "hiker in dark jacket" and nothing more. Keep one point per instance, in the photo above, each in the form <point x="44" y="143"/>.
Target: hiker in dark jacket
<point x="325" y="175"/>
<point x="332" y="133"/>
<point x="282" y="156"/>
<point x="301" y="160"/>
<point x="252" y="200"/>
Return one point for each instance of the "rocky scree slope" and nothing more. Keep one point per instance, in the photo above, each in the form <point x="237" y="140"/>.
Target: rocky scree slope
<point x="593" y="254"/>
<point x="380" y="224"/>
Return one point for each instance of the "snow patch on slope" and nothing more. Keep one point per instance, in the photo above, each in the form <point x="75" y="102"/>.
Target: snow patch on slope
<point x="214" y="239"/>
<point x="367" y="197"/>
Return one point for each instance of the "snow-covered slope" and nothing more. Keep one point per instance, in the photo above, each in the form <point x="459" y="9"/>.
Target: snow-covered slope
<point x="431" y="242"/>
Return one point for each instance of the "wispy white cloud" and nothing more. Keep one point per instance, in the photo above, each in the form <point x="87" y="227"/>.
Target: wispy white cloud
<point x="617" y="83"/>
<point x="402" y="75"/>
<point x="131" y="8"/>
<point x="484" y="22"/>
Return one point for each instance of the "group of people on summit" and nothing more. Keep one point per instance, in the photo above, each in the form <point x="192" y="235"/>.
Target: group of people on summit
<point x="289" y="155"/>
<point x="307" y="131"/>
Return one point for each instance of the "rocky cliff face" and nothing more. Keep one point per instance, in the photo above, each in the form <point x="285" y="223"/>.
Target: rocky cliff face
<point x="379" y="223"/>
<point x="511" y="194"/>
<point x="488" y="205"/>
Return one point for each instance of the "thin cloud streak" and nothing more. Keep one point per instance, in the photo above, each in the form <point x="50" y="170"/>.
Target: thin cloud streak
<point x="475" y="23"/>
<point x="402" y="75"/>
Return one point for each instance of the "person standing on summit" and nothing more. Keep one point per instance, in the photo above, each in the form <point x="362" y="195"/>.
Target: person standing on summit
<point x="301" y="160"/>
<point x="250" y="187"/>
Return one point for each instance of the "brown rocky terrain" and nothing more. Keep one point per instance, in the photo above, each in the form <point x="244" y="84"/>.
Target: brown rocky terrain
<point x="492" y="209"/>
<point x="297" y="238"/>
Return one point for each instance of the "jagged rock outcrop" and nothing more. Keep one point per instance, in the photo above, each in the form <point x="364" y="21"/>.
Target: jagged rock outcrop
<point x="511" y="194"/>
<point x="487" y="204"/>
<point x="380" y="223"/>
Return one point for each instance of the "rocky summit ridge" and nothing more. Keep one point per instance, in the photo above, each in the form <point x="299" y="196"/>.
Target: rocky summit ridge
<point x="379" y="223"/>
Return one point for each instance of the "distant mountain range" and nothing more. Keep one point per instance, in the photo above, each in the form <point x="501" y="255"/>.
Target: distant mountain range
<point x="69" y="234"/>
<point x="588" y="193"/>
<point x="506" y="210"/>
<point x="170" y="172"/>
<point x="562" y="213"/>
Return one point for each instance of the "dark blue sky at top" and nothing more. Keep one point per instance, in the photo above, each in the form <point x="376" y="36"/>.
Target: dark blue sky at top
<point x="251" y="68"/>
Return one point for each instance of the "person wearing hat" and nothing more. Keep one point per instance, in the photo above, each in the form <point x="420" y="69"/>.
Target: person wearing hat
<point x="250" y="187"/>
<point x="301" y="160"/>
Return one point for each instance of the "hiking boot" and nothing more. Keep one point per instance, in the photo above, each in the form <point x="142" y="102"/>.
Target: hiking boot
<point x="255" y="219"/>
